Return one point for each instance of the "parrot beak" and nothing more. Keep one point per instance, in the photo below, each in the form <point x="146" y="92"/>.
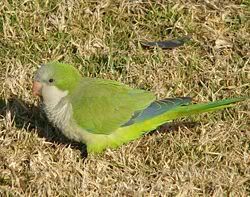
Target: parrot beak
<point x="37" y="88"/>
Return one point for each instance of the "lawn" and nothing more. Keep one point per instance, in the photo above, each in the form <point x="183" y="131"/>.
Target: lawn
<point x="203" y="155"/>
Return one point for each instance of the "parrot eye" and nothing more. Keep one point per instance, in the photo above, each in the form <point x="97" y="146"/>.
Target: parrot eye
<point x="51" y="80"/>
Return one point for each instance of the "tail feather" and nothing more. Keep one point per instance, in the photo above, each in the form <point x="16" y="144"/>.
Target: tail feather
<point x="135" y="130"/>
<point x="201" y="108"/>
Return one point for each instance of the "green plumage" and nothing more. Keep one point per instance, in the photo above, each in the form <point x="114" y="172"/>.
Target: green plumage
<point x="108" y="104"/>
<point x="106" y="114"/>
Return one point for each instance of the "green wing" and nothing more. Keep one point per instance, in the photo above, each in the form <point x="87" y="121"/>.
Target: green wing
<point x="101" y="106"/>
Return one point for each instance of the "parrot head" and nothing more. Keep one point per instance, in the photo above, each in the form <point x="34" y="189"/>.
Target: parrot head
<point x="55" y="79"/>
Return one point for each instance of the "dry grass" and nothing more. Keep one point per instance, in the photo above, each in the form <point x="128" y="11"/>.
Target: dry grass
<point x="101" y="38"/>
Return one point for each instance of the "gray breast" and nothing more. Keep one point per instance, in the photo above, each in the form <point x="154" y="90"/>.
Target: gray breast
<point x="60" y="113"/>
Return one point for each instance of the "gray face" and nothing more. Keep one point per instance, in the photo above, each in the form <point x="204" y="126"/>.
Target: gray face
<point x="44" y="74"/>
<point x="43" y="77"/>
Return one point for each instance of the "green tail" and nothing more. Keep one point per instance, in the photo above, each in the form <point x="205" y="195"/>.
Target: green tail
<point x="135" y="130"/>
<point x="152" y="117"/>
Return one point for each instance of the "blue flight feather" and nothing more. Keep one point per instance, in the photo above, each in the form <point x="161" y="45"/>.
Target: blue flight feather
<point x="157" y="108"/>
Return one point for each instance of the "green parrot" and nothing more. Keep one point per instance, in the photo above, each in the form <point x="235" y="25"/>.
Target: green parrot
<point x="105" y="113"/>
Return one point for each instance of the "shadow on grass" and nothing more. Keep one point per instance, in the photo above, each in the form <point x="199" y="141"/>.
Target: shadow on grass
<point x="30" y="117"/>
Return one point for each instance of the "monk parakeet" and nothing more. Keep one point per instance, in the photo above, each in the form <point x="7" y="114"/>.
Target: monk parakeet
<point x="105" y="113"/>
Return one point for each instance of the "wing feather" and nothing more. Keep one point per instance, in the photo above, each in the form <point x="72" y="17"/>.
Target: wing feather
<point x="101" y="106"/>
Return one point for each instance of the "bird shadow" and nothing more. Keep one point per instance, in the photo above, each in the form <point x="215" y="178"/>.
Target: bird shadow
<point x="31" y="118"/>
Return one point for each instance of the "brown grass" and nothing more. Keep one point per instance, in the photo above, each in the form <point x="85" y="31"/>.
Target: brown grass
<point x="101" y="38"/>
